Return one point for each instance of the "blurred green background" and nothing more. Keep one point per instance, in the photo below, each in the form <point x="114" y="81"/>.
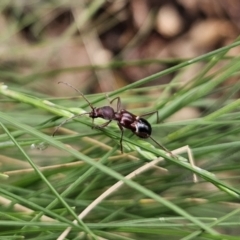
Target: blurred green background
<point x="179" y="58"/>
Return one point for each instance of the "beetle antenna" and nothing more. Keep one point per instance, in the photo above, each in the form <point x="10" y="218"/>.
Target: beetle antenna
<point x="161" y="146"/>
<point x="79" y="93"/>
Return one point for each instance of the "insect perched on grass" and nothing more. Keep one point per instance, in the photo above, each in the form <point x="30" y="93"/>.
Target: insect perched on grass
<point x="125" y="119"/>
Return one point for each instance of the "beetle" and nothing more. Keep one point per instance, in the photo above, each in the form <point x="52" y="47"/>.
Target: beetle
<point x="125" y="119"/>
